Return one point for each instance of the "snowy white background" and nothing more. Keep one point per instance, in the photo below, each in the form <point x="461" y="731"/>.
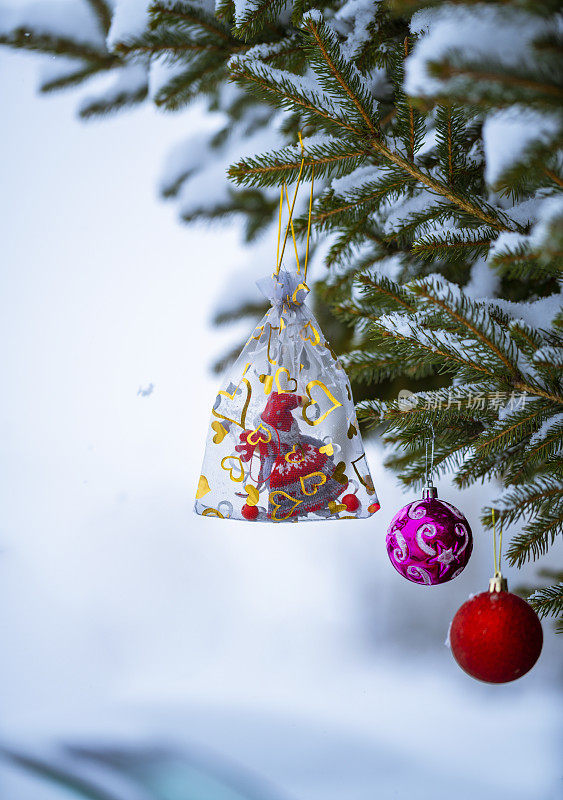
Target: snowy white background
<point x="296" y="653"/>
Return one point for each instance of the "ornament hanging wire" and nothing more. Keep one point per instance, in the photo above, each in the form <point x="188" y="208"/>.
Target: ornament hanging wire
<point x="497" y="583"/>
<point x="497" y="555"/>
<point x="429" y="445"/>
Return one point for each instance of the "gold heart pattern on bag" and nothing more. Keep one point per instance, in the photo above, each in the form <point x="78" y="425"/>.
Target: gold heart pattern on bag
<point x="308" y="403"/>
<point x="311" y="483"/>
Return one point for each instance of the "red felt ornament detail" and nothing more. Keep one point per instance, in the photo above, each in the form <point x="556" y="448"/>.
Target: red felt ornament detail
<point x="496" y="637"/>
<point x="351" y="502"/>
<point x="373" y="508"/>
<point x="249" y="512"/>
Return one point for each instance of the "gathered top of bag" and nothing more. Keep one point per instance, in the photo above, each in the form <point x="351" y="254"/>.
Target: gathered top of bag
<point x="284" y="289"/>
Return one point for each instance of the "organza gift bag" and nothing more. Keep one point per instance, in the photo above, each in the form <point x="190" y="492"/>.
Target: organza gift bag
<point x="284" y="443"/>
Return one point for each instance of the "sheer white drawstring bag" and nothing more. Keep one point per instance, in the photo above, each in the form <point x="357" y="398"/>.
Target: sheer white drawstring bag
<point x="284" y="443"/>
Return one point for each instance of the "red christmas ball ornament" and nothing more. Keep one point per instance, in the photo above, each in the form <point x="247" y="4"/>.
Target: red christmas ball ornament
<point x="351" y="502"/>
<point x="249" y="512"/>
<point x="496" y="636"/>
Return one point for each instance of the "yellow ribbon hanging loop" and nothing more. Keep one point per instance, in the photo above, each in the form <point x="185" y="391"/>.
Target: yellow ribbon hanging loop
<point x="292" y="231"/>
<point x="309" y="223"/>
<point x="279" y="227"/>
<point x="289" y="226"/>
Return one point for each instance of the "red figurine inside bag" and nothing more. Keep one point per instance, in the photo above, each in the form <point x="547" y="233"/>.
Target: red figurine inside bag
<point x="299" y="475"/>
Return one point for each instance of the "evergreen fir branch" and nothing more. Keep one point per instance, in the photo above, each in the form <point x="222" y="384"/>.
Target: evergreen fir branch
<point x="289" y="92"/>
<point x="548" y="601"/>
<point x="300" y="7"/>
<point x="498" y="85"/>
<point x="556" y="179"/>
<point x="329" y="159"/>
<point x="448" y="410"/>
<point x="527" y="339"/>
<point x="171" y="46"/>
<point x="455" y="433"/>
<point x="524" y="501"/>
<point x="530" y="170"/>
<point x="402" y="337"/>
<point x="355" y="316"/>
<point x="417" y="223"/>
<point x="369" y="49"/>
<point x="455" y="438"/>
<point x="338" y="75"/>
<point x="377" y="252"/>
<point x="512" y="429"/>
<point x="255" y="210"/>
<point x="187" y="16"/>
<point x="337" y="289"/>
<point x="255" y="14"/>
<point x="520" y="261"/>
<point x="375" y="412"/>
<point x="202" y="75"/>
<point x="252" y="310"/>
<point x="383" y="295"/>
<point x="488" y="468"/>
<point x="548" y="364"/>
<point x="286" y="54"/>
<point x="100" y="106"/>
<point x="413" y="440"/>
<point x="73" y="78"/>
<point x="339" y="78"/>
<point x="533" y="388"/>
<point x="225" y="11"/>
<point x="102" y="12"/>
<point x="22" y="38"/>
<point x="409" y="123"/>
<point x="450" y="142"/>
<point x="546" y="443"/>
<point x="350" y="237"/>
<point x="476" y="209"/>
<point x="228" y="359"/>
<point x="333" y="210"/>
<point x="455" y="244"/>
<point x="550" y="356"/>
<point x="369" y="367"/>
<point x="536" y="537"/>
<point x="470" y="317"/>
<point x="542" y="8"/>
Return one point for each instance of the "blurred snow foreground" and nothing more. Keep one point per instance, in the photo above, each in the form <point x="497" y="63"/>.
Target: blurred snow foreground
<point x="147" y="657"/>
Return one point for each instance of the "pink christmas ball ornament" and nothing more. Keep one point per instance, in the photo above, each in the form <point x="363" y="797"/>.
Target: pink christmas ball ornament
<point x="429" y="541"/>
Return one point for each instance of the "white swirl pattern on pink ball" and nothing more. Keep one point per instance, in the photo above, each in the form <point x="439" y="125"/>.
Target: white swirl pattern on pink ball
<point x="419" y="573"/>
<point x="402" y="551"/>
<point x="427" y="529"/>
<point x="417" y="510"/>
